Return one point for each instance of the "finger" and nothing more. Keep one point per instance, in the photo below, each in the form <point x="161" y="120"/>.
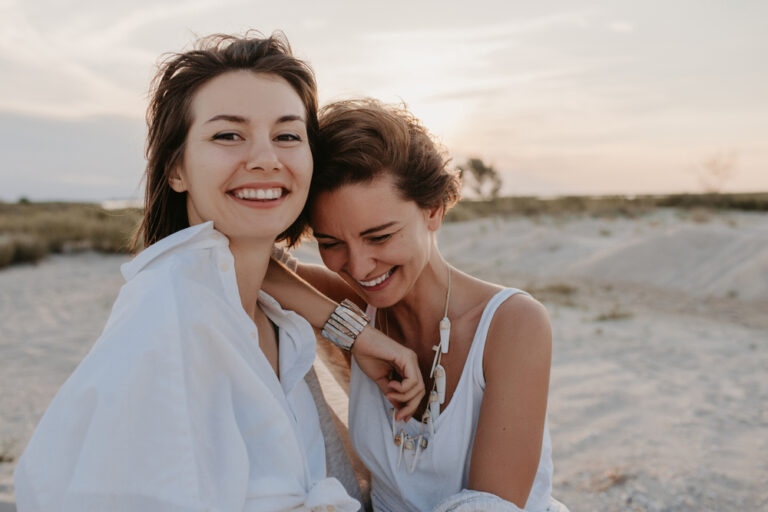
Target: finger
<point x="410" y="387"/>
<point x="406" y="398"/>
<point x="409" y="367"/>
<point x="406" y="385"/>
<point x="410" y="390"/>
<point x="409" y="403"/>
<point x="400" y="398"/>
<point x="407" y="409"/>
<point x="413" y="379"/>
<point x="397" y="386"/>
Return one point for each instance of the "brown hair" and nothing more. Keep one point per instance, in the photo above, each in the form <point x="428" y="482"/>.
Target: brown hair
<point x="361" y="139"/>
<point x="169" y="118"/>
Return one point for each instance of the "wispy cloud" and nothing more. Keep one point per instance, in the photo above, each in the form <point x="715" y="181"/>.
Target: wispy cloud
<point x="85" y="63"/>
<point x="623" y="27"/>
<point x="579" y="19"/>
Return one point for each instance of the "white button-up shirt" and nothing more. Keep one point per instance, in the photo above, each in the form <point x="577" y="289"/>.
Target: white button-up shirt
<point x="176" y="408"/>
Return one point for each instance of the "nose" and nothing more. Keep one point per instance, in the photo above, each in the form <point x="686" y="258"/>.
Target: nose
<point x="360" y="262"/>
<point x="262" y="156"/>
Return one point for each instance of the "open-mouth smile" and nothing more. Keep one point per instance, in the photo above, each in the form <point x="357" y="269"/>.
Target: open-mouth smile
<point x="377" y="282"/>
<point x="259" y="196"/>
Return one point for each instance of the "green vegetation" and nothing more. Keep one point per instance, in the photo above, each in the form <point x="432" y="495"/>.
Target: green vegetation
<point x="485" y="182"/>
<point x="604" y="206"/>
<point x="29" y="231"/>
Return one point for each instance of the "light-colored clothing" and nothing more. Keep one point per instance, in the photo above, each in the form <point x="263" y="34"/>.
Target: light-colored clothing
<point x="478" y="501"/>
<point x="176" y="408"/>
<point x="442" y="469"/>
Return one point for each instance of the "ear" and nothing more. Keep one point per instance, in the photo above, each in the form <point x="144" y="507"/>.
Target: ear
<point x="434" y="217"/>
<point x="176" y="181"/>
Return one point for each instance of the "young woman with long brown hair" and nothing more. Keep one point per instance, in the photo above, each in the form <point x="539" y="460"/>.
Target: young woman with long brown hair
<point x="194" y="397"/>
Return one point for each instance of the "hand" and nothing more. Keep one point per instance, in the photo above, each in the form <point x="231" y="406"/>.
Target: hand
<point x="393" y="367"/>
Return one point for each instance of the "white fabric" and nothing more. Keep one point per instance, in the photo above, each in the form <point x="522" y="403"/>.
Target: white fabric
<point x="475" y="501"/>
<point x="176" y="408"/>
<point x="478" y="501"/>
<point x="443" y="467"/>
<point x="285" y="257"/>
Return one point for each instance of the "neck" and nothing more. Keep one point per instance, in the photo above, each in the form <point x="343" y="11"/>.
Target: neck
<point x="418" y="314"/>
<point x="251" y="260"/>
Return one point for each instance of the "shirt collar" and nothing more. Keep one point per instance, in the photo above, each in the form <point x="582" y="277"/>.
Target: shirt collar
<point x="197" y="236"/>
<point x="297" y="343"/>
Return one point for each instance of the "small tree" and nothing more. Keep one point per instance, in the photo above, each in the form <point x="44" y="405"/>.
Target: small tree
<point x="486" y="182"/>
<point x="715" y="172"/>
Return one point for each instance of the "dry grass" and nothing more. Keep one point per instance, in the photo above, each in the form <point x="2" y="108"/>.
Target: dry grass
<point x="604" y="206"/>
<point x="615" y="313"/>
<point x="611" y="478"/>
<point x="29" y="231"/>
<point x="7" y="450"/>
<point x="557" y="293"/>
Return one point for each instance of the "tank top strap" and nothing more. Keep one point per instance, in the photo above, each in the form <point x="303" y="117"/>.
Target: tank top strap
<point x="477" y="350"/>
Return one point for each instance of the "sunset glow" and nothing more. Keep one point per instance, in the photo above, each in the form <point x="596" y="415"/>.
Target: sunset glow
<point x="562" y="98"/>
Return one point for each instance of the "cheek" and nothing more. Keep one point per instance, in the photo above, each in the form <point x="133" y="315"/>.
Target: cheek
<point x="331" y="259"/>
<point x="301" y="165"/>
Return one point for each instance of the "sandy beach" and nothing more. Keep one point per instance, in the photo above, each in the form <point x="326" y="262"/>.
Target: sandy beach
<point x="659" y="384"/>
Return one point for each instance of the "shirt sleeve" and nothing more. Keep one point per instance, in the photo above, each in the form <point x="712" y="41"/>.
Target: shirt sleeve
<point x="119" y="435"/>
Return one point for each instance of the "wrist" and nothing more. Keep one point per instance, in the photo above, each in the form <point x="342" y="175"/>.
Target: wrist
<point x="364" y="339"/>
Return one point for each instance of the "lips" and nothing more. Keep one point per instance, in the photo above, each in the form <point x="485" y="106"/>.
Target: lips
<point x="377" y="282"/>
<point x="259" y="193"/>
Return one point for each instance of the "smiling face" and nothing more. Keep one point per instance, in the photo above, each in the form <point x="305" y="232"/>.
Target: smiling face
<point x="374" y="239"/>
<point x="247" y="163"/>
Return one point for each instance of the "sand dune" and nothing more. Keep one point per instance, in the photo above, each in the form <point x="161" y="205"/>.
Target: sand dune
<point x="659" y="384"/>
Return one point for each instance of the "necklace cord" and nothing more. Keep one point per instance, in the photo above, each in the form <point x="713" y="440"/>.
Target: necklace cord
<point x="401" y="438"/>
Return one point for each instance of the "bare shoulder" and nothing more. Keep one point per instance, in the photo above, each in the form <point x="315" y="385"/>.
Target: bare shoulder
<point x="520" y="335"/>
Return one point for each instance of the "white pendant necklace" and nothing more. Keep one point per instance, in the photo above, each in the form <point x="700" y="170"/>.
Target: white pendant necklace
<point x="416" y="444"/>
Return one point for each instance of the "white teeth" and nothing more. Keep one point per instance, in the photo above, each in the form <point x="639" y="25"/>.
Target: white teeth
<point x="259" y="193"/>
<point x="378" y="280"/>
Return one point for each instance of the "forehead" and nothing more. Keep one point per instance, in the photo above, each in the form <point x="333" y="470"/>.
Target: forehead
<point x="252" y="95"/>
<point x="356" y="207"/>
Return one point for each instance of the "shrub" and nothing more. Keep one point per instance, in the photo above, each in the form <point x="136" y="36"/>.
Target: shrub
<point x="29" y="249"/>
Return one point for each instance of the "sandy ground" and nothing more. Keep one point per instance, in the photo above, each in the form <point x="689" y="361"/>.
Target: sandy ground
<point x="659" y="390"/>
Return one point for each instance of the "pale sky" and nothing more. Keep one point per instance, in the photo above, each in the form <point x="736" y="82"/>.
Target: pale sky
<point x="567" y="97"/>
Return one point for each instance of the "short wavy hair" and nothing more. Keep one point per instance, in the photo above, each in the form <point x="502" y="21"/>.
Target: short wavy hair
<point x="362" y="139"/>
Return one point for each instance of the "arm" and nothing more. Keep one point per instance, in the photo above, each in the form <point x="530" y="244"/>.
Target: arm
<point x="327" y="282"/>
<point x="516" y="363"/>
<point x="376" y="354"/>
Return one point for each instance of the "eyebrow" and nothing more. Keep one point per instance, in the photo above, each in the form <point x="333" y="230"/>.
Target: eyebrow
<point x="243" y="120"/>
<point x="362" y="233"/>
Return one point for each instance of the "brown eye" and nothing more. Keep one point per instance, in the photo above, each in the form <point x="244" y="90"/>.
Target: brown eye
<point x="227" y="136"/>
<point x="288" y="137"/>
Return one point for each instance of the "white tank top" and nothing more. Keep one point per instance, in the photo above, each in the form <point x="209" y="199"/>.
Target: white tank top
<point x="442" y="469"/>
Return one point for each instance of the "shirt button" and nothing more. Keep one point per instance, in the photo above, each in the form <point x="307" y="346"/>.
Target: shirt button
<point x="216" y="236"/>
<point x="330" y="508"/>
<point x="224" y="267"/>
<point x="254" y="334"/>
